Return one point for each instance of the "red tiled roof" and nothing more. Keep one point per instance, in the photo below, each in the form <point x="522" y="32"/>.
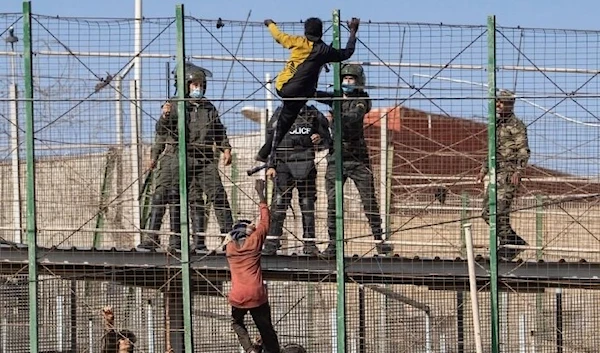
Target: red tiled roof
<point x="441" y="150"/>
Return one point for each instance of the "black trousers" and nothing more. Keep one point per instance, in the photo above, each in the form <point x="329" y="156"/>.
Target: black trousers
<point x="285" y="182"/>
<point x="287" y="117"/>
<point x="262" y="319"/>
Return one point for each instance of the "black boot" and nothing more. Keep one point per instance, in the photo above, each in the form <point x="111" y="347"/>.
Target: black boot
<point x="175" y="242"/>
<point x="198" y="227"/>
<point x="271" y="246"/>
<point x="330" y="251"/>
<point x="310" y="248"/>
<point x="152" y="241"/>
<point x="508" y="254"/>
<point x="384" y="248"/>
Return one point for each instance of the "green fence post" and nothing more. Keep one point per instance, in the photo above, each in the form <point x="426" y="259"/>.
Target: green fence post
<point x="464" y="215"/>
<point x="30" y="156"/>
<point x="539" y="242"/>
<point x="491" y="67"/>
<point x="185" y="229"/>
<point x="339" y="196"/>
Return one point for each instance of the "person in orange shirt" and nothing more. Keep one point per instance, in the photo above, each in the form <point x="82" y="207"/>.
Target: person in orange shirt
<point x="248" y="292"/>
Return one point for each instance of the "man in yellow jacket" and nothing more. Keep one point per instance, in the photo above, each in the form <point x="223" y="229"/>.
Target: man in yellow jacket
<point x="297" y="82"/>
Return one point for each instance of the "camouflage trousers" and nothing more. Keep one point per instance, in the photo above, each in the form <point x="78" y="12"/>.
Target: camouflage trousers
<point x="505" y="191"/>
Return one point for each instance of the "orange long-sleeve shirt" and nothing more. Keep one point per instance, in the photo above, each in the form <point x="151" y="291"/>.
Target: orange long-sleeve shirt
<point x="247" y="288"/>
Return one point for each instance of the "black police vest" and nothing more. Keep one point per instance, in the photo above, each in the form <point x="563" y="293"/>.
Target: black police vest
<point x="296" y="144"/>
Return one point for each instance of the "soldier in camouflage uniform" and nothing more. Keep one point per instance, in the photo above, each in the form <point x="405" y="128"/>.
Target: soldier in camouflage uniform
<point x="355" y="156"/>
<point x="512" y="155"/>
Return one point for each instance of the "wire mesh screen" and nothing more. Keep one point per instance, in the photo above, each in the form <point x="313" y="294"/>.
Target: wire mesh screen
<point x="108" y="187"/>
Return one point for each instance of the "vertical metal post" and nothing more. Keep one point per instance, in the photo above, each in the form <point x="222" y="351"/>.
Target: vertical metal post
<point x="90" y="336"/>
<point x="383" y="164"/>
<point x="539" y="242"/>
<point x="503" y="317"/>
<point x="460" y="321"/>
<point x="135" y="158"/>
<point x="137" y="78"/>
<point x="15" y="163"/>
<point x="495" y="322"/>
<point x="150" y="326"/>
<point x="60" y="332"/>
<point x="4" y="334"/>
<point x="339" y="195"/>
<point x="559" y="321"/>
<point x="464" y="215"/>
<point x="235" y="178"/>
<point x="14" y="139"/>
<point x="185" y="231"/>
<point x="473" y="290"/>
<point x="118" y="83"/>
<point x="362" y="321"/>
<point x="384" y="211"/>
<point x="73" y="315"/>
<point x="390" y="169"/>
<point x="30" y="156"/>
<point x="269" y="106"/>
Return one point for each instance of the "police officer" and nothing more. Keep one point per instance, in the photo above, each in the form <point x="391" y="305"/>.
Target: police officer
<point x="295" y="168"/>
<point x="355" y="157"/>
<point x="206" y="136"/>
<point x="164" y="154"/>
<point x="512" y="155"/>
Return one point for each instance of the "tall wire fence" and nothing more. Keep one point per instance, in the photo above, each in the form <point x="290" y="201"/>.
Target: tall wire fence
<point x="96" y="105"/>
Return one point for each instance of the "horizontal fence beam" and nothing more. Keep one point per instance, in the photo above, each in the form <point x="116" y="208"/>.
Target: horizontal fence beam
<point x="277" y="60"/>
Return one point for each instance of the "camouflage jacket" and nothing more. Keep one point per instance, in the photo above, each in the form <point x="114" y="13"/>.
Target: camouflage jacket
<point x="512" y="146"/>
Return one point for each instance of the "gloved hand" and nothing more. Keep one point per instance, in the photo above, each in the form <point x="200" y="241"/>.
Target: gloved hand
<point x="353" y="24"/>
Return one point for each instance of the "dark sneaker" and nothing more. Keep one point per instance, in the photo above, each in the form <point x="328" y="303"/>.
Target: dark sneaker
<point x="271" y="247"/>
<point x="175" y="245"/>
<point x="508" y="254"/>
<point x="201" y="247"/>
<point x="148" y="244"/>
<point x="330" y="251"/>
<point x="384" y="248"/>
<point x="310" y="248"/>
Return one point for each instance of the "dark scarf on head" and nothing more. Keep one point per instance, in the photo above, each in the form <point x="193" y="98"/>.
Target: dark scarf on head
<point x="239" y="231"/>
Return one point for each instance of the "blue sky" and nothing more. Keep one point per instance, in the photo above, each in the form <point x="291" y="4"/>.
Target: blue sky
<point x="528" y="13"/>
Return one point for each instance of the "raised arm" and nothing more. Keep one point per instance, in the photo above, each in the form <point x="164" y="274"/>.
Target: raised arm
<point x="162" y="131"/>
<point x="337" y="55"/>
<point x="262" y="229"/>
<point x="286" y="40"/>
